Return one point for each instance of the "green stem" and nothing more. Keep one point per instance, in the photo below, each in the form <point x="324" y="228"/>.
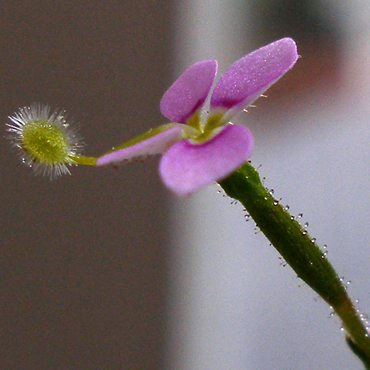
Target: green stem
<point x="83" y="159"/>
<point x="300" y="251"/>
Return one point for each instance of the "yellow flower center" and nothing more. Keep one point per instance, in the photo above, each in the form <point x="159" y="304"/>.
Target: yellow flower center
<point x="199" y="131"/>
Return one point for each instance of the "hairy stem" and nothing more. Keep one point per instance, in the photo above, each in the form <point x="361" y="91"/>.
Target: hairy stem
<point x="300" y="251"/>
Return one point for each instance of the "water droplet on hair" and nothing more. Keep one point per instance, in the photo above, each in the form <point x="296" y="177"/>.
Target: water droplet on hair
<point x="324" y="254"/>
<point x="275" y="203"/>
<point x="300" y="215"/>
<point x="313" y="240"/>
<point x="305" y="225"/>
<point x="286" y="208"/>
<point x="304" y="232"/>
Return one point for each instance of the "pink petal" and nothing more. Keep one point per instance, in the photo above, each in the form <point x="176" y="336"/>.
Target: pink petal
<point x="189" y="91"/>
<point x="187" y="167"/>
<point x="155" y="141"/>
<point x="246" y="79"/>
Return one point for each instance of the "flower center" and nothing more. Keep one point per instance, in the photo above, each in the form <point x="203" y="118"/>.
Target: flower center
<point x="203" y="131"/>
<point x="44" y="141"/>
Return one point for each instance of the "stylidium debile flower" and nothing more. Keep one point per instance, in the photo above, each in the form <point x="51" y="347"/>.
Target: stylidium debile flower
<point x="201" y="146"/>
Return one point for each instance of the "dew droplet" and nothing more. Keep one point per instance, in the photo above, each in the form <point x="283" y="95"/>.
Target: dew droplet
<point x="300" y="215"/>
<point x="286" y="208"/>
<point x="305" y="225"/>
<point x="313" y="240"/>
<point x="283" y="262"/>
<point x="304" y="232"/>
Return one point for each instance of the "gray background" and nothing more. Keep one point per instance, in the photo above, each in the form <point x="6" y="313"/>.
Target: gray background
<point x="83" y="258"/>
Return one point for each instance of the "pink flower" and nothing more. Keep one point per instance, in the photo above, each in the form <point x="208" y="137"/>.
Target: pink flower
<point x="201" y="146"/>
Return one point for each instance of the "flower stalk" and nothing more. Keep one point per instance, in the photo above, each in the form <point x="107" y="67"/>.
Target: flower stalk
<point x="299" y="250"/>
<point x="84" y="160"/>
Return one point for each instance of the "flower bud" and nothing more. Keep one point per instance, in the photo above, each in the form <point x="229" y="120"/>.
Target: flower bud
<point x="45" y="140"/>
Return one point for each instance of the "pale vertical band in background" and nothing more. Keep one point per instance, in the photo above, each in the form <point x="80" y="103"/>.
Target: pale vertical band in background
<point x="233" y="304"/>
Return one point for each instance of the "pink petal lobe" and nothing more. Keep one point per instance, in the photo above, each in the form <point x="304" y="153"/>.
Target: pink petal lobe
<point x="189" y="91"/>
<point x="246" y="79"/>
<point x="155" y="141"/>
<point x="187" y="167"/>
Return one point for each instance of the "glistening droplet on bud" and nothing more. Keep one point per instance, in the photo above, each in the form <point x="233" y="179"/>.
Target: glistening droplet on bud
<point x="45" y="140"/>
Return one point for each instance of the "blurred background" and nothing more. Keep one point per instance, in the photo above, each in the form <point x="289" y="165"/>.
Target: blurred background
<point x="105" y="269"/>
